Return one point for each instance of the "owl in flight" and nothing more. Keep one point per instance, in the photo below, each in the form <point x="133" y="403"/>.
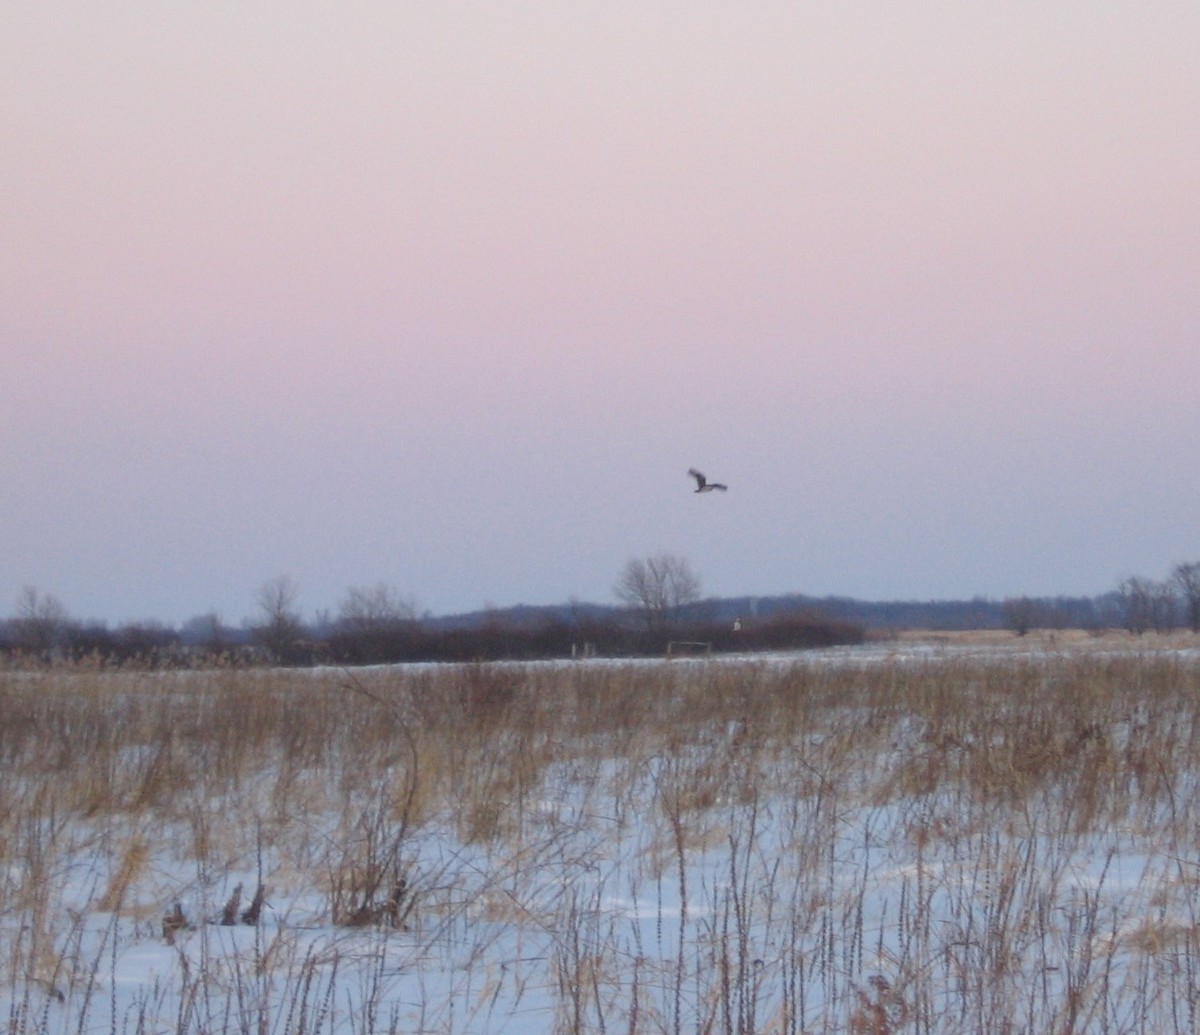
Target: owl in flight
<point x="703" y="484"/>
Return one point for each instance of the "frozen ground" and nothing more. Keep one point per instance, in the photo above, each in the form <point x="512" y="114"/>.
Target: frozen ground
<point x="694" y="884"/>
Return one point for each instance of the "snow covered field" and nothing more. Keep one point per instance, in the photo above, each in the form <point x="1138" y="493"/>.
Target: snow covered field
<point x="884" y="839"/>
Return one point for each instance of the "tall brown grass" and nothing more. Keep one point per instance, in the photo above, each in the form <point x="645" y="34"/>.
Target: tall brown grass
<point x="962" y="787"/>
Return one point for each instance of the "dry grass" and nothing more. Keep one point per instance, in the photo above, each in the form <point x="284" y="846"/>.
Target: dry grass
<point x="893" y="844"/>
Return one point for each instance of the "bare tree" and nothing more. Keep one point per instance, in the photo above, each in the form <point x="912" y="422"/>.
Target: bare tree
<point x="41" y="623"/>
<point x="1139" y="603"/>
<point x="1165" y="606"/>
<point x="1024" y="614"/>
<point x="1187" y="578"/>
<point x="375" y="609"/>
<point x="375" y="624"/>
<point x="657" y="588"/>
<point x="1021" y="614"/>
<point x="281" y="629"/>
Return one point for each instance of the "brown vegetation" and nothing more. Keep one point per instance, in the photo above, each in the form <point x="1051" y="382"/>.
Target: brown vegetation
<point x="982" y="772"/>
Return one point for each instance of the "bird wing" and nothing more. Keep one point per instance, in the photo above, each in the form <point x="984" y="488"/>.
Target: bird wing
<point x="700" y="480"/>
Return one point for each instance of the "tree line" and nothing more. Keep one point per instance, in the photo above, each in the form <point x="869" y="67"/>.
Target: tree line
<point x="1138" y="604"/>
<point x="660" y="603"/>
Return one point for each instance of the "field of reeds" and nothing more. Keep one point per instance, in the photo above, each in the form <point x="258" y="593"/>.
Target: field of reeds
<point x="867" y="840"/>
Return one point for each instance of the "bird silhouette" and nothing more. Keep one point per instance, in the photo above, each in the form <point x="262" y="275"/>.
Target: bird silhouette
<point x="703" y="484"/>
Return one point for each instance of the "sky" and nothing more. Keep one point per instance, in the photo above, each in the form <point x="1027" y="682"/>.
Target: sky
<point x="449" y="296"/>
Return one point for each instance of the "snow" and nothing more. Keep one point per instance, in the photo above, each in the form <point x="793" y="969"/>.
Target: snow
<point x="643" y="899"/>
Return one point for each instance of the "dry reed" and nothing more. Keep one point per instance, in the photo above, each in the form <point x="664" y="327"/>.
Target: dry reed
<point x="877" y="846"/>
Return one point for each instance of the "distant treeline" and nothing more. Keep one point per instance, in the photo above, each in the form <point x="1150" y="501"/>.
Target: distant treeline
<point x="1108" y="610"/>
<point x="373" y="629"/>
<point x="523" y="634"/>
<point x="1058" y="612"/>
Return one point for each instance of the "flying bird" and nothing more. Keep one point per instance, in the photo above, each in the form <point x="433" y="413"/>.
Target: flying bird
<point x="703" y="484"/>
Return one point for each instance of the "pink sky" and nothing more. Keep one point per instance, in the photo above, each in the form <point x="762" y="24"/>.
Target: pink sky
<point x="451" y="298"/>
